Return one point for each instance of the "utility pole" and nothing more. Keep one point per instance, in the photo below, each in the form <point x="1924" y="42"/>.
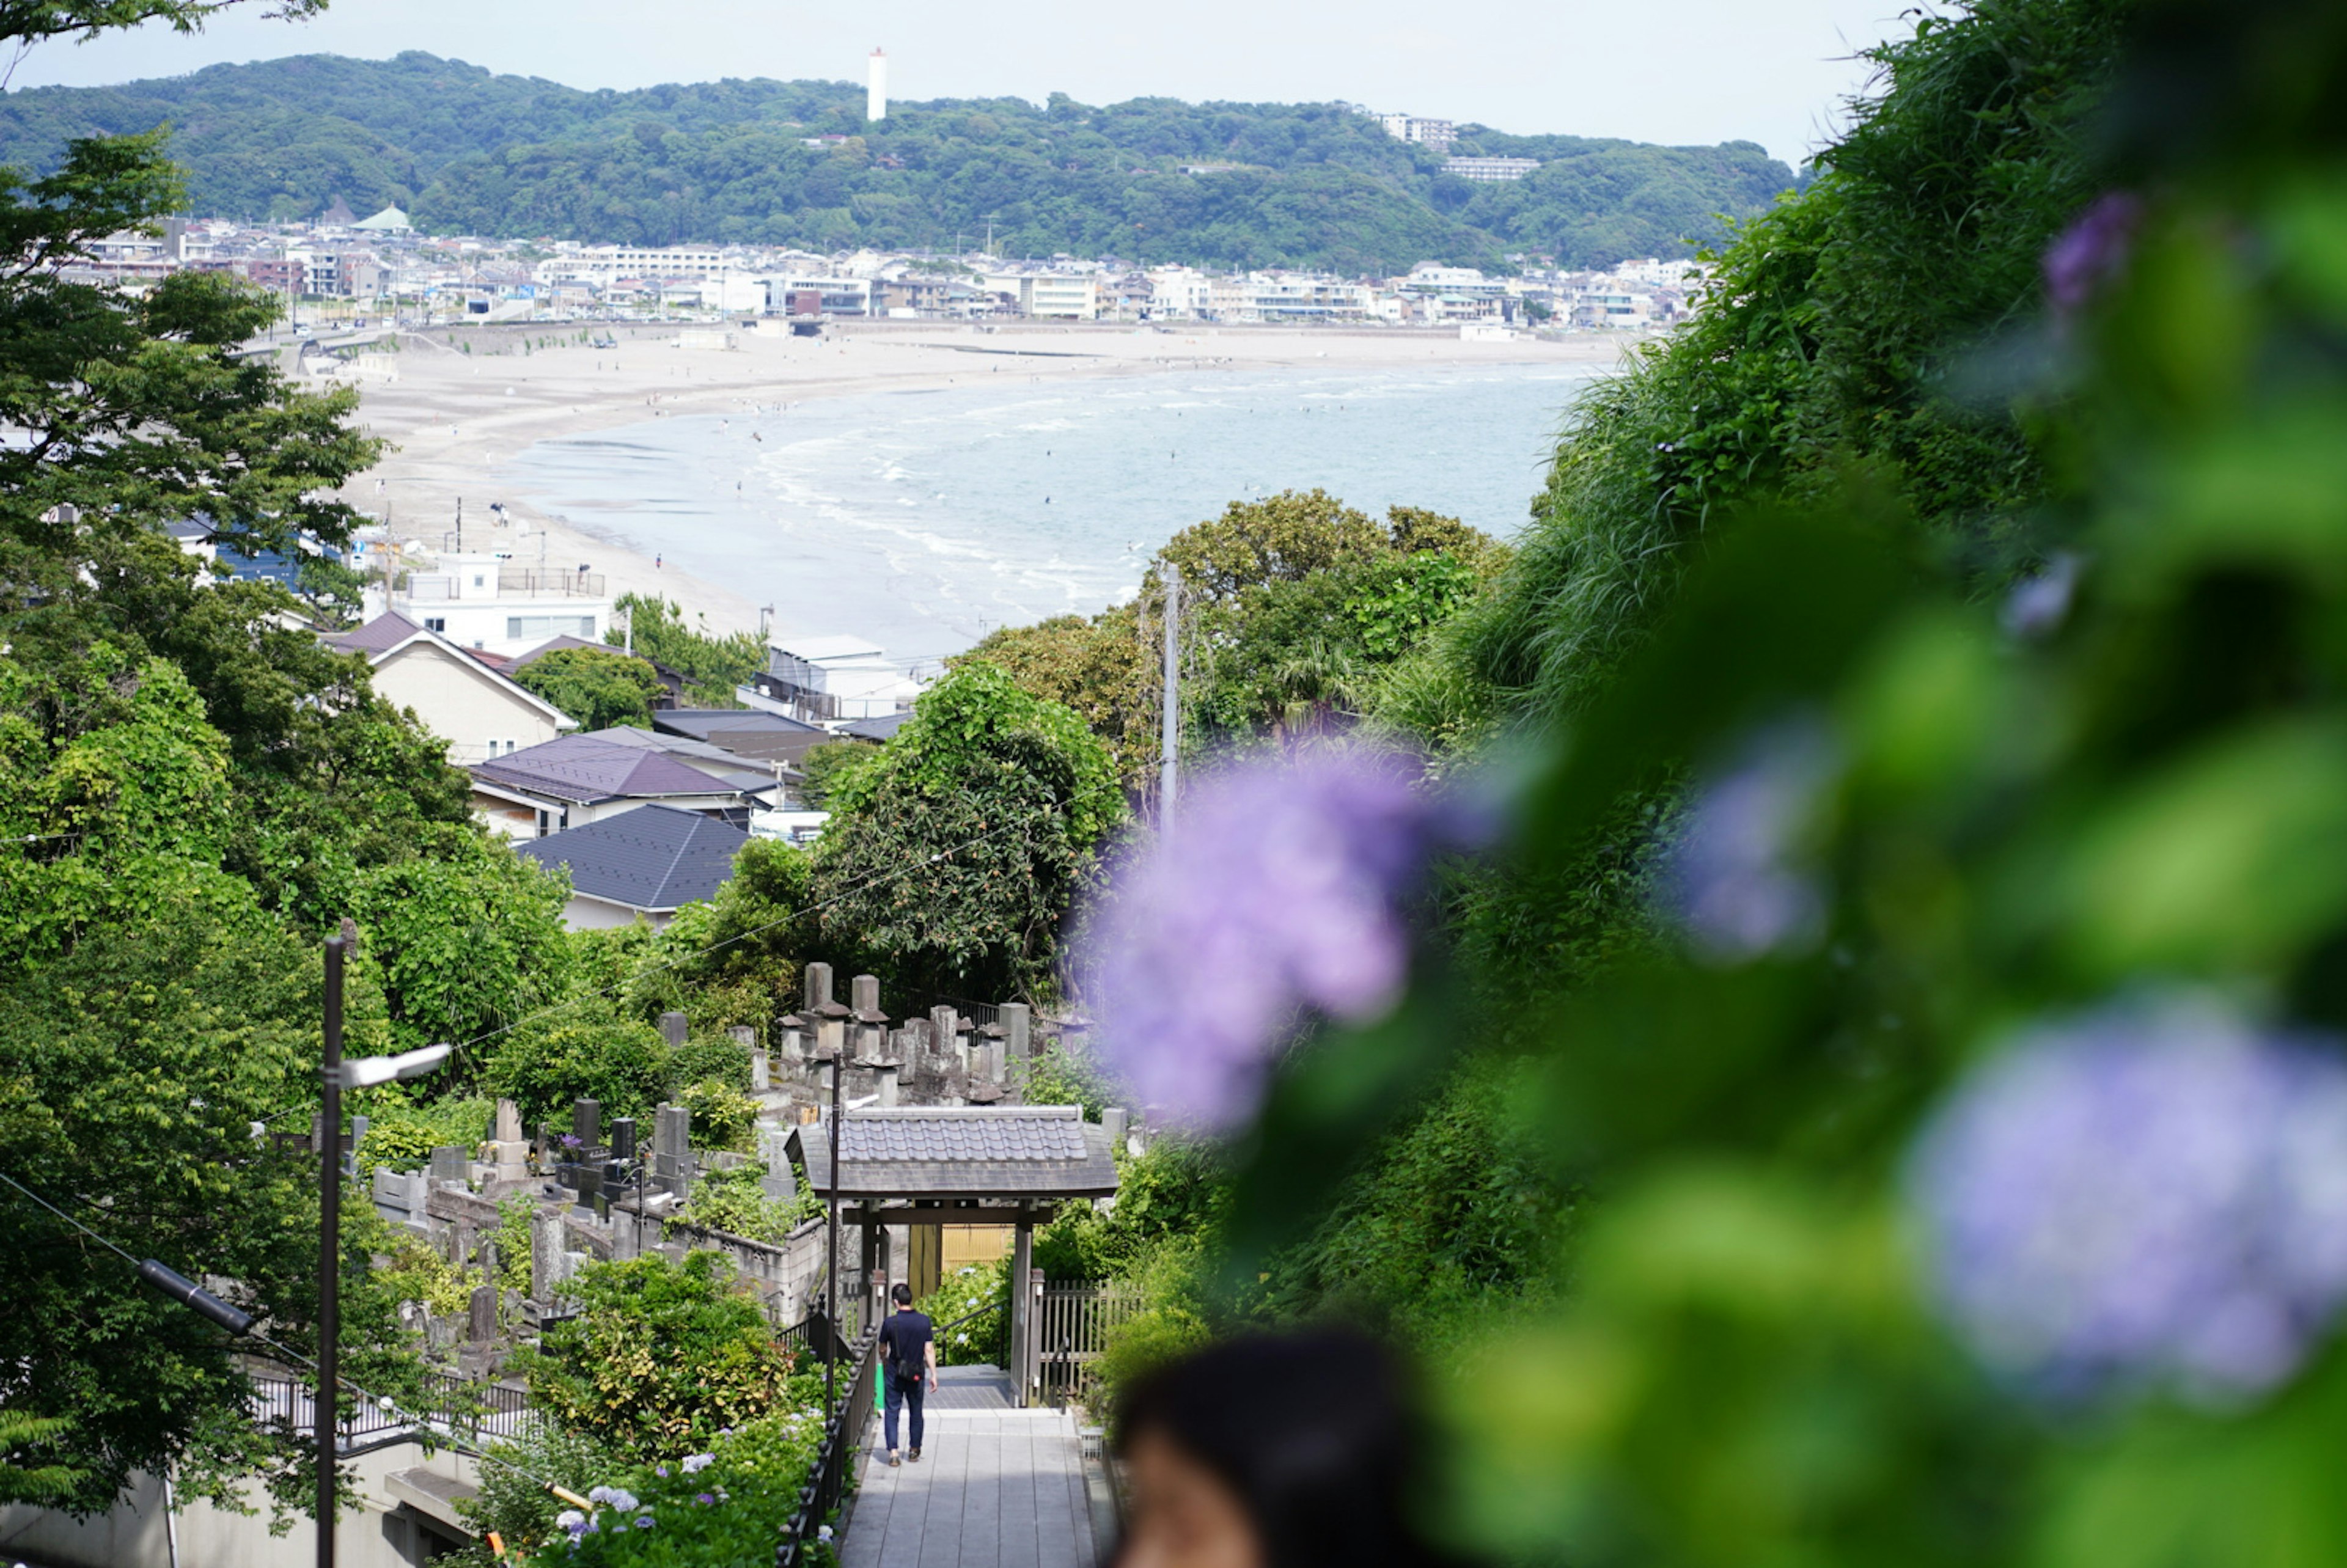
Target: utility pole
<point x="323" y="1401"/>
<point x="1169" y="744"/>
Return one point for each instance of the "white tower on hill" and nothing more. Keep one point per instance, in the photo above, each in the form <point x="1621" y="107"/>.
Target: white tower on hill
<point x="876" y="86"/>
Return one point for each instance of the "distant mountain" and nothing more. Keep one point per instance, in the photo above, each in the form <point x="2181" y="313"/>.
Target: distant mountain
<point x="467" y="152"/>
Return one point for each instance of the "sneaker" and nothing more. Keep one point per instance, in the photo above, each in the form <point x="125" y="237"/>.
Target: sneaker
<point x="893" y="1460"/>
<point x="917" y="1455"/>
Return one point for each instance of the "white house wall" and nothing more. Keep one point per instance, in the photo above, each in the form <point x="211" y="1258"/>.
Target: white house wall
<point x="462" y="703"/>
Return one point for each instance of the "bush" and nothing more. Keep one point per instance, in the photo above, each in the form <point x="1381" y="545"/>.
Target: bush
<point x="981" y="1341"/>
<point x="1140" y="1344"/>
<point x="731" y="1202"/>
<point x="727" y="1512"/>
<point x="723" y="1117"/>
<point x="402" y="1137"/>
<point x="661" y="1355"/>
<point x="621" y="1063"/>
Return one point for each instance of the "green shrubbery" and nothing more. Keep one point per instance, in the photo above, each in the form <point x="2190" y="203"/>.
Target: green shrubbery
<point x="659" y="1357"/>
<point x="984" y="1340"/>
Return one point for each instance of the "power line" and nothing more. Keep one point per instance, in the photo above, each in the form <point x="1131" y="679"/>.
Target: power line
<point x="441" y="1429"/>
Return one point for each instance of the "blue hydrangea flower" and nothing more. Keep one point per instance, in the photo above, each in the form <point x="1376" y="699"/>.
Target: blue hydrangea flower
<point x="695" y="1463"/>
<point x="643" y="1522"/>
<point x="2150" y="1196"/>
<point x="706" y="1499"/>
<point x="1735" y="878"/>
<point x="1279" y="893"/>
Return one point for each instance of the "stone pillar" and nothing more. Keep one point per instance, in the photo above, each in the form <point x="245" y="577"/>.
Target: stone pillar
<point x="1017" y="1031"/>
<point x="762" y="1076"/>
<point x="884" y="1072"/>
<point x="481" y="1315"/>
<point x="672" y="1029"/>
<point x="942" y="1028"/>
<point x="508" y="1151"/>
<point x="1115" y="1119"/>
<point x="781" y="1182"/>
<point x="816" y="987"/>
<point x="623" y="1138"/>
<point x="448" y="1163"/>
<point x="545" y="1256"/>
<point x="672" y="1149"/>
<point x="741" y="1034"/>
<point x="587" y="1122"/>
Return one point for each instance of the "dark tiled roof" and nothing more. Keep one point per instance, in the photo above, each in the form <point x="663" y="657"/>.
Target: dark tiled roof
<point x="881" y="727"/>
<point x="653" y="858"/>
<point x="583" y="768"/>
<point x="1038" y="1152"/>
<point x="699" y="723"/>
<point x="381" y="635"/>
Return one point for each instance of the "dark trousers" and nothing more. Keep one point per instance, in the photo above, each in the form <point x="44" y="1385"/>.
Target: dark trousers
<point x="900" y="1394"/>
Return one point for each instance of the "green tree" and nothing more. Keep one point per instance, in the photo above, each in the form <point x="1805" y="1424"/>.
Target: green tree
<point x="596" y="688"/>
<point x="712" y="664"/>
<point x="999" y="798"/>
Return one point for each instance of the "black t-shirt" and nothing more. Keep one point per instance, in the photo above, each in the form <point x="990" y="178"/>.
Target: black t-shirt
<point x="901" y="1338"/>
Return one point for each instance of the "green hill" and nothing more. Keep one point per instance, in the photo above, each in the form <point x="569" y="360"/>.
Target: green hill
<point x="467" y="152"/>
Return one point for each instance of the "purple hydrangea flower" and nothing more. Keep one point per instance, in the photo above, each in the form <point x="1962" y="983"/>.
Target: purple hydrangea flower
<point x="1733" y="876"/>
<point x="2039" y="603"/>
<point x="573" y="1521"/>
<point x="643" y="1522"/>
<point x="2090" y="250"/>
<point x="571" y="1141"/>
<point x="1279" y="891"/>
<point x="2149" y="1195"/>
<point x="706" y="1499"/>
<point x="660" y="1470"/>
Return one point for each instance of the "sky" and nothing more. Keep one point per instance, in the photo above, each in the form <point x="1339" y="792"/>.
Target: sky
<point x="1674" y="71"/>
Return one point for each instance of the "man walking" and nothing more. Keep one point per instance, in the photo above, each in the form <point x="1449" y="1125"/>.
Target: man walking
<point x="908" y="1366"/>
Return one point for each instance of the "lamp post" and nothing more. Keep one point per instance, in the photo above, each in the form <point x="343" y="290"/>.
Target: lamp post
<point x="334" y="1076"/>
<point x="831" y="1241"/>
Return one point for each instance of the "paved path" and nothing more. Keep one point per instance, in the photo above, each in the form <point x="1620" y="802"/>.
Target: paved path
<point x="996" y="1487"/>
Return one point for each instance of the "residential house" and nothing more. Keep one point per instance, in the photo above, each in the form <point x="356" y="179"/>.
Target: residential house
<point x="478" y="711"/>
<point x="816" y="679"/>
<point x="579" y="779"/>
<point x="644" y="864"/>
<point x="484" y="600"/>
<point x="752" y="732"/>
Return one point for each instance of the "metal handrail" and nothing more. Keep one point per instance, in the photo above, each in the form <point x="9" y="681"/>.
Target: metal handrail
<point x="842" y="1432"/>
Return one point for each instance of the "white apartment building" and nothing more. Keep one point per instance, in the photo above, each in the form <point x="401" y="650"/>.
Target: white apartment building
<point x="1055" y="295"/>
<point x="602" y="263"/>
<point x="1180" y="293"/>
<point x="1410" y="127"/>
<point x="486" y="601"/>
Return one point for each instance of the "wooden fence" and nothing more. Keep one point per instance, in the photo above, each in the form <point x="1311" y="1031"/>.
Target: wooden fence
<point x="1072" y="1323"/>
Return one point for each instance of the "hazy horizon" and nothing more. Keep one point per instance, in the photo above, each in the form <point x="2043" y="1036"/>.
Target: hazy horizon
<point x="1695" y="73"/>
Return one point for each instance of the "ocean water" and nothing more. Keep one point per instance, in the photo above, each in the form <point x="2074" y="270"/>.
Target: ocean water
<point x="921" y="520"/>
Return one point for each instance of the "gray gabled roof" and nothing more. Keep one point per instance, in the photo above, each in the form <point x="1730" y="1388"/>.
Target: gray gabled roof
<point x="1040" y="1152"/>
<point x="381" y="635"/>
<point x="582" y="768"/>
<point x="653" y="858"/>
<point x="882" y="727"/>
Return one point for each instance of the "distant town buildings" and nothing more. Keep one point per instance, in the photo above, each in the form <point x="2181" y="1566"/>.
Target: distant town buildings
<point x="1490" y="167"/>
<point x="372" y="273"/>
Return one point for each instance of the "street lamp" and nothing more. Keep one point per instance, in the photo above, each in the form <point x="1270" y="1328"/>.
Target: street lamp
<point x="334" y="1076"/>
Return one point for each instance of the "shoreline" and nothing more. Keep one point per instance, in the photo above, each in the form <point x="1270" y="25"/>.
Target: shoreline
<point x="452" y="416"/>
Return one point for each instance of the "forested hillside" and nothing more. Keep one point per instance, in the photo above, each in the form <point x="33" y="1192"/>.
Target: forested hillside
<point x="467" y="151"/>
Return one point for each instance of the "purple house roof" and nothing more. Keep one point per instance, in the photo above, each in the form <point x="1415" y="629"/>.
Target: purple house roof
<point x="381" y="635"/>
<point x="585" y="768"/>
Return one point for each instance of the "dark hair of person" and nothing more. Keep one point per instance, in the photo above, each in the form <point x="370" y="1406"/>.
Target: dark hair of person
<point x="901" y="1294"/>
<point x="1316" y="1432"/>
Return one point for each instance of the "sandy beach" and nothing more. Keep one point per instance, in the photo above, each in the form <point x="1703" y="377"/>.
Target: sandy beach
<point x="451" y="415"/>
